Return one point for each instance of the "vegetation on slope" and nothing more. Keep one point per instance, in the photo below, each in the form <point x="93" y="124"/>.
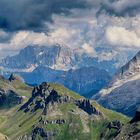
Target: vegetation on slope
<point x="76" y="123"/>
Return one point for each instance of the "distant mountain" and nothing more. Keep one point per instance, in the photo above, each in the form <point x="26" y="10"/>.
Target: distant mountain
<point x="60" y="64"/>
<point x="29" y="58"/>
<point x="123" y="92"/>
<point x="51" y="111"/>
<point x="57" y="57"/>
<point x="83" y="80"/>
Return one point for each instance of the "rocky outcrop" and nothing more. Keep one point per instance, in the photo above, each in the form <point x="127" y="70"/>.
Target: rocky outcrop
<point x="45" y="135"/>
<point x="14" y="77"/>
<point x="40" y="133"/>
<point x="131" y="131"/>
<point x="57" y="121"/>
<point x="87" y="107"/>
<point x="25" y="137"/>
<point x="115" y="124"/>
<point x="9" y="98"/>
<point x="44" y="96"/>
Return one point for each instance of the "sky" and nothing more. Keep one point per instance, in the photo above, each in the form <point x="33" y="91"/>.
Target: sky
<point x="104" y="29"/>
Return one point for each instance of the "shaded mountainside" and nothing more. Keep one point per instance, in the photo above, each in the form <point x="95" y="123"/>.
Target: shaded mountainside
<point x="82" y="81"/>
<point x="122" y="93"/>
<point x="13" y="91"/>
<point x="54" y="112"/>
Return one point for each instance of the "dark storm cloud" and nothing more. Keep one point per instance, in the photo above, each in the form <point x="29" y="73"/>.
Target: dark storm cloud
<point x="31" y="14"/>
<point x="121" y="7"/>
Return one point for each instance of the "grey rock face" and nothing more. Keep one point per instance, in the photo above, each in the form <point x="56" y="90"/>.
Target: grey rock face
<point x="56" y="56"/>
<point x="130" y="69"/>
<point x="116" y="125"/>
<point x="62" y="121"/>
<point x="40" y="55"/>
<point x="45" y="135"/>
<point x="123" y="92"/>
<point x="87" y="107"/>
<point x="43" y="97"/>
<point x="124" y="99"/>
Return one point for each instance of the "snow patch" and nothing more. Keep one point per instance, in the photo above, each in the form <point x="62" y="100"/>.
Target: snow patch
<point x="118" y="83"/>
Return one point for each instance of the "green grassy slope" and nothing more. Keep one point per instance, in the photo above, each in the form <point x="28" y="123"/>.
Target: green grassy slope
<point x="79" y="125"/>
<point x="21" y="89"/>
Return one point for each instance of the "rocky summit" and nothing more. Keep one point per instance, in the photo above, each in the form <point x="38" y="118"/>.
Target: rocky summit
<point x="44" y="97"/>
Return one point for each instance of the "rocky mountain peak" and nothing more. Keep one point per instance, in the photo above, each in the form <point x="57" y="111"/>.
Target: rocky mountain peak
<point x="131" y="68"/>
<point x="14" y="77"/>
<point x="33" y="56"/>
<point x="44" y="97"/>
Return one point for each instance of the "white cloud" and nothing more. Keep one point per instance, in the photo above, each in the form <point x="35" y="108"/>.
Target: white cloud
<point x="122" y="37"/>
<point x="95" y="36"/>
<point x="24" y="38"/>
<point x="106" y="56"/>
<point x="89" y="50"/>
<point x="122" y="7"/>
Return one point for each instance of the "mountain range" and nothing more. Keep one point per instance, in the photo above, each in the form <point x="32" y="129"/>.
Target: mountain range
<point x="57" y="56"/>
<point x="51" y="111"/>
<point x="77" y="71"/>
